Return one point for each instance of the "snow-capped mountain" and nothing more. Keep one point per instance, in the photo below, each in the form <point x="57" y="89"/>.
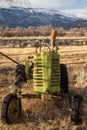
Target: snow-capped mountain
<point x="17" y="3"/>
<point x="13" y="16"/>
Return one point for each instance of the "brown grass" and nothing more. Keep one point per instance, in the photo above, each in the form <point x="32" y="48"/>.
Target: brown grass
<point x="35" y="116"/>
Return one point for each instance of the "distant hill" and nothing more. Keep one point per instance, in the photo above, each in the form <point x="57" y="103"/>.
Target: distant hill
<point x="25" y="17"/>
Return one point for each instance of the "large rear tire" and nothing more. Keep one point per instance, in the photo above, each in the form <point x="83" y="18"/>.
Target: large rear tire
<point x="11" y="109"/>
<point x="64" y="78"/>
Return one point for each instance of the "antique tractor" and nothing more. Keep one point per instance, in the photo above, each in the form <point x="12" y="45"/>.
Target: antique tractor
<point x="49" y="78"/>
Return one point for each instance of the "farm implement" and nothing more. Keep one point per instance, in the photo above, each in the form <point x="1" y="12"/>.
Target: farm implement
<point x="50" y="78"/>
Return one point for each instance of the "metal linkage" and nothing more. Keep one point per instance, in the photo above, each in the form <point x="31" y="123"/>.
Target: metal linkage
<point x="9" y="58"/>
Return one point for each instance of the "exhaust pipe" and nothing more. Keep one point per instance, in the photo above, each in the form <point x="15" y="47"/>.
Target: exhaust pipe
<point x="53" y="38"/>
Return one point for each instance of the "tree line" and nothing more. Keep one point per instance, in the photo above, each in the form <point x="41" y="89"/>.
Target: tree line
<point x="41" y="31"/>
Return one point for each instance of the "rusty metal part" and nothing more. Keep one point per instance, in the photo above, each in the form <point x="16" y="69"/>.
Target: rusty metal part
<point x="9" y="58"/>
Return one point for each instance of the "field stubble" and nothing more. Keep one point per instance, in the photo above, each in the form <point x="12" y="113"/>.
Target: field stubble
<point x="35" y="116"/>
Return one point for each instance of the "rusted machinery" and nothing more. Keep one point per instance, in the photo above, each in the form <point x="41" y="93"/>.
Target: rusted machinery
<point x="49" y="78"/>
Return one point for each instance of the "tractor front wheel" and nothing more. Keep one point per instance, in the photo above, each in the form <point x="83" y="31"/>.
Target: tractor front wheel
<point x="11" y="109"/>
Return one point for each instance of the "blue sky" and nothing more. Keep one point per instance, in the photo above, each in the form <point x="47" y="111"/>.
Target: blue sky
<point x="74" y="7"/>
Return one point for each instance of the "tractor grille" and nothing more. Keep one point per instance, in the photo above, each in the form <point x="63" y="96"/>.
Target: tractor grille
<point x="38" y="73"/>
<point x="55" y="73"/>
<point x="46" y="72"/>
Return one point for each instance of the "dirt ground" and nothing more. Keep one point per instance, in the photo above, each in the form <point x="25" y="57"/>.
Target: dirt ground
<point x="56" y="115"/>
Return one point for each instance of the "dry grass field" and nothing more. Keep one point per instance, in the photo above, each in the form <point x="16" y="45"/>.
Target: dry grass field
<point x="35" y="116"/>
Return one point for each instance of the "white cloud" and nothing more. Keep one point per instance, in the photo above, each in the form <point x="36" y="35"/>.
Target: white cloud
<point x="74" y="7"/>
<point x="81" y="13"/>
<point x="53" y="3"/>
<point x="18" y="3"/>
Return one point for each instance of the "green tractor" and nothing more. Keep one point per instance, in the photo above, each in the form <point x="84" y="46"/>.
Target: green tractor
<point x="49" y="78"/>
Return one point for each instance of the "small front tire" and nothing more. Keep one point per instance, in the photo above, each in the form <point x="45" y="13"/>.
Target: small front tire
<point x="11" y="109"/>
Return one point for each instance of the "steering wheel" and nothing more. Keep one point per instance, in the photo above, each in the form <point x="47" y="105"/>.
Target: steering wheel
<point x="42" y="46"/>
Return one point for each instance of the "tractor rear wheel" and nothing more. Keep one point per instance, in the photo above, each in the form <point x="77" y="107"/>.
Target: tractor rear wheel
<point x="64" y="78"/>
<point x="11" y="109"/>
<point x="77" y="109"/>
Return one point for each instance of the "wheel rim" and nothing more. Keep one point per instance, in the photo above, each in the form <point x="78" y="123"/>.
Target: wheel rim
<point x="13" y="110"/>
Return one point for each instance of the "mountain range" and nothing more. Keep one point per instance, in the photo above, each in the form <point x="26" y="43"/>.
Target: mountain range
<point x="14" y="16"/>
